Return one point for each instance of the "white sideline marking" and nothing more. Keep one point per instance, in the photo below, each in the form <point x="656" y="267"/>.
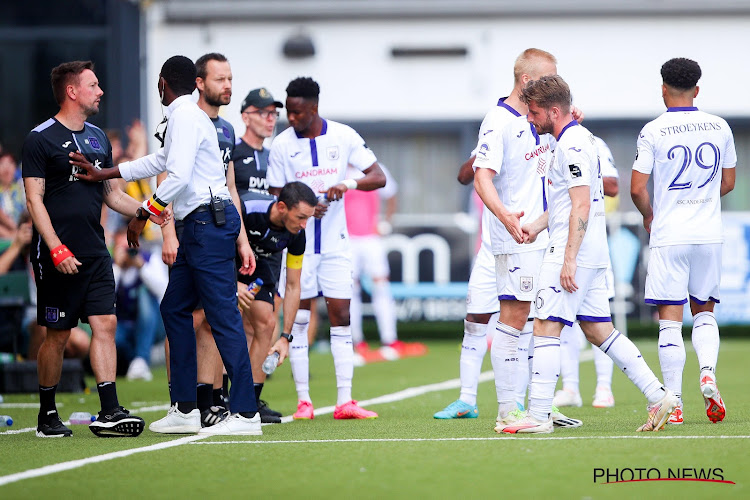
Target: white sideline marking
<point x="387" y="398"/>
<point x="74" y="464"/>
<point x="63" y="466"/>
<point x="24" y="405"/>
<point x="495" y="438"/>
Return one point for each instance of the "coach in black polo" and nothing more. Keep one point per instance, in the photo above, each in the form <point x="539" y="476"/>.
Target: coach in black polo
<point x="72" y="266"/>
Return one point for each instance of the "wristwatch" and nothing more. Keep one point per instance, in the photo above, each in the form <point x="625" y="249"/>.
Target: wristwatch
<point x="288" y="336"/>
<point x="141" y="214"/>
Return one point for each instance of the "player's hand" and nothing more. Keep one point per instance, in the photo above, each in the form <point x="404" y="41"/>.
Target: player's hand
<point x="169" y="248"/>
<point x="282" y="347"/>
<point x="512" y="222"/>
<point x="568" y="275"/>
<point x="335" y="192"/>
<point x="577" y="114"/>
<point x="320" y="210"/>
<point x="135" y="227"/>
<point x="162" y="219"/>
<point x="647" y="223"/>
<point x="87" y="171"/>
<point x="244" y="296"/>
<point x="247" y="257"/>
<point x="529" y="233"/>
<point x="69" y="265"/>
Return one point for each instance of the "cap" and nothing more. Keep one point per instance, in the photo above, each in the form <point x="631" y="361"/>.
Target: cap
<point x="260" y="98"/>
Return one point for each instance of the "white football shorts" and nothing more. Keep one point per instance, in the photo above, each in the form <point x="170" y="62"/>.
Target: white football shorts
<point x="328" y="275"/>
<point x="678" y="270"/>
<point x="369" y="257"/>
<point x="482" y="295"/>
<point x="517" y="275"/>
<point x="588" y="303"/>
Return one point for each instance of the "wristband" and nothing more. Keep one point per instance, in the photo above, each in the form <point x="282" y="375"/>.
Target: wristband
<point x="59" y="254"/>
<point x="349" y="183"/>
<point x="154" y="205"/>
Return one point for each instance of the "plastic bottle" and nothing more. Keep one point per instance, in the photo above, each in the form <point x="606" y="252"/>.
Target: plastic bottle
<point x="323" y="199"/>
<point x="6" y="357"/>
<point x="270" y="364"/>
<point x="5" y="421"/>
<point x="254" y="287"/>
<point x="81" y="418"/>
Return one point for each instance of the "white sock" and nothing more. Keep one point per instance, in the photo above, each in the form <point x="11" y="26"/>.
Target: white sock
<point x="522" y="379"/>
<point x="385" y="311"/>
<point x="671" y="354"/>
<point x="343" y="362"/>
<point x="628" y="358"/>
<point x="570" y="352"/>
<point x="355" y="314"/>
<point x="706" y="340"/>
<point x="504" y="356"/>
<point x="544" y="378"/>
<point x="604" y="367"/>
<point x="473" y="350"/>
<point x="298" y="355"/>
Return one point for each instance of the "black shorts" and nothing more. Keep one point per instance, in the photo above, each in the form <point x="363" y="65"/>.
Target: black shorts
<point x="266" y="294"/>
<point x="64" y="299"/>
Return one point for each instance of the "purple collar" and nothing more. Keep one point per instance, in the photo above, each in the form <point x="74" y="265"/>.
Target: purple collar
<point x="684" y="108"/>
<point x="501" y="103"/>
<point x="323" y="130"/>
<point x="566" y="127"/>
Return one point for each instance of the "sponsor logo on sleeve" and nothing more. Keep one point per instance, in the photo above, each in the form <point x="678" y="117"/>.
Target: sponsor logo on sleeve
<point x="575" y="170"/>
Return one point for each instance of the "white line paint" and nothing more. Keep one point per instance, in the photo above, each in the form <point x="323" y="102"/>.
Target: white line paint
<point x="493" y="438"/>
<point x="74" y="464"/>
<point x="25" y="405"/>
<point x="388" y="398"/>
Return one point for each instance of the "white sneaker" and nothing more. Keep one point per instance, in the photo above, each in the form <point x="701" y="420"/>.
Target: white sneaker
<point x="177" y="422"/>
<point x="566" y="397"/>
<point x="560" y="420"/>
<point x="510" y="419"/>
<point x="139" y="370"/>
<point x="603" y="398"/>
<point x="235" y="425"/>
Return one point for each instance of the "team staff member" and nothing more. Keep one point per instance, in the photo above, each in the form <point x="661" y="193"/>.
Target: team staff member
<point x="214" y="83"/>
<point x="204" y="269"/>
<point x="72" y="266"/>
<point x="271" y="227"/>
<point x="259" y="113"/>
<point x="317" y="152"/>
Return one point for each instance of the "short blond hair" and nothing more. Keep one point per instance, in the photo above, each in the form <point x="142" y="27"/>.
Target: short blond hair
<point x="548" y="91"/>
<point x="526" y="62"/>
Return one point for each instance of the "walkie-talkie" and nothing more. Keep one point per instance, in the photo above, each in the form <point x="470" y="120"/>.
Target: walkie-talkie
<point x="217" y="209"/>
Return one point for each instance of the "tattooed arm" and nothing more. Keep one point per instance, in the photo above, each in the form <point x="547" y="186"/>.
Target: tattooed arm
<point x="35" y="187"/>
<point x="577" y="225"/>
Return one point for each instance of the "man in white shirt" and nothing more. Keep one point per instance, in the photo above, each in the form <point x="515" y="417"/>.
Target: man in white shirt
<point x="692" y="156"/>
<point x="205" y="264"/>
<point x="317" y="152"/>
<point x="571" y="280"/>
<point x="509" y="168"/>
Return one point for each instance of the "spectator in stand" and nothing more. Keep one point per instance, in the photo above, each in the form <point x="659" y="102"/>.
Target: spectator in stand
<point x="12" y="196"/>
<point x="141" y="279"/>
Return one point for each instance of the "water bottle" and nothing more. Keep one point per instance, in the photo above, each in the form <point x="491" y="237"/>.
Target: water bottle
<point x="323" y="199"/>
<point x="6" y="357"/>
<point x="81" y="418"/>
<point x="254" y="287"/>
<point x="269" y="365"/>
<point x="5" y="421"/>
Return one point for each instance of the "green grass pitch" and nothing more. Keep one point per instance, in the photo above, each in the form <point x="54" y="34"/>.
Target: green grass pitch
<point x="403" y="454"/>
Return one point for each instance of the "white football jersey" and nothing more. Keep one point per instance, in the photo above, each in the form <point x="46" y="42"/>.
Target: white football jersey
<point x="686" y="150"/>
<point x="510" y="146"/>
<point x="320" y="163"/>
<point x="575" y="163"/>
<point x="606" y="160"/>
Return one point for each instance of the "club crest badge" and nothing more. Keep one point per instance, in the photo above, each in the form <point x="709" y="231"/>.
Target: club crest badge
<point x="52" y="314"/>
<point x="527" y="283"/>
<point x="333" y="153"/>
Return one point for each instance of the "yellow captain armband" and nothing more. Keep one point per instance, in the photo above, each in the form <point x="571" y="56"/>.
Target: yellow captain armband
<point x="293" y="261"/>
